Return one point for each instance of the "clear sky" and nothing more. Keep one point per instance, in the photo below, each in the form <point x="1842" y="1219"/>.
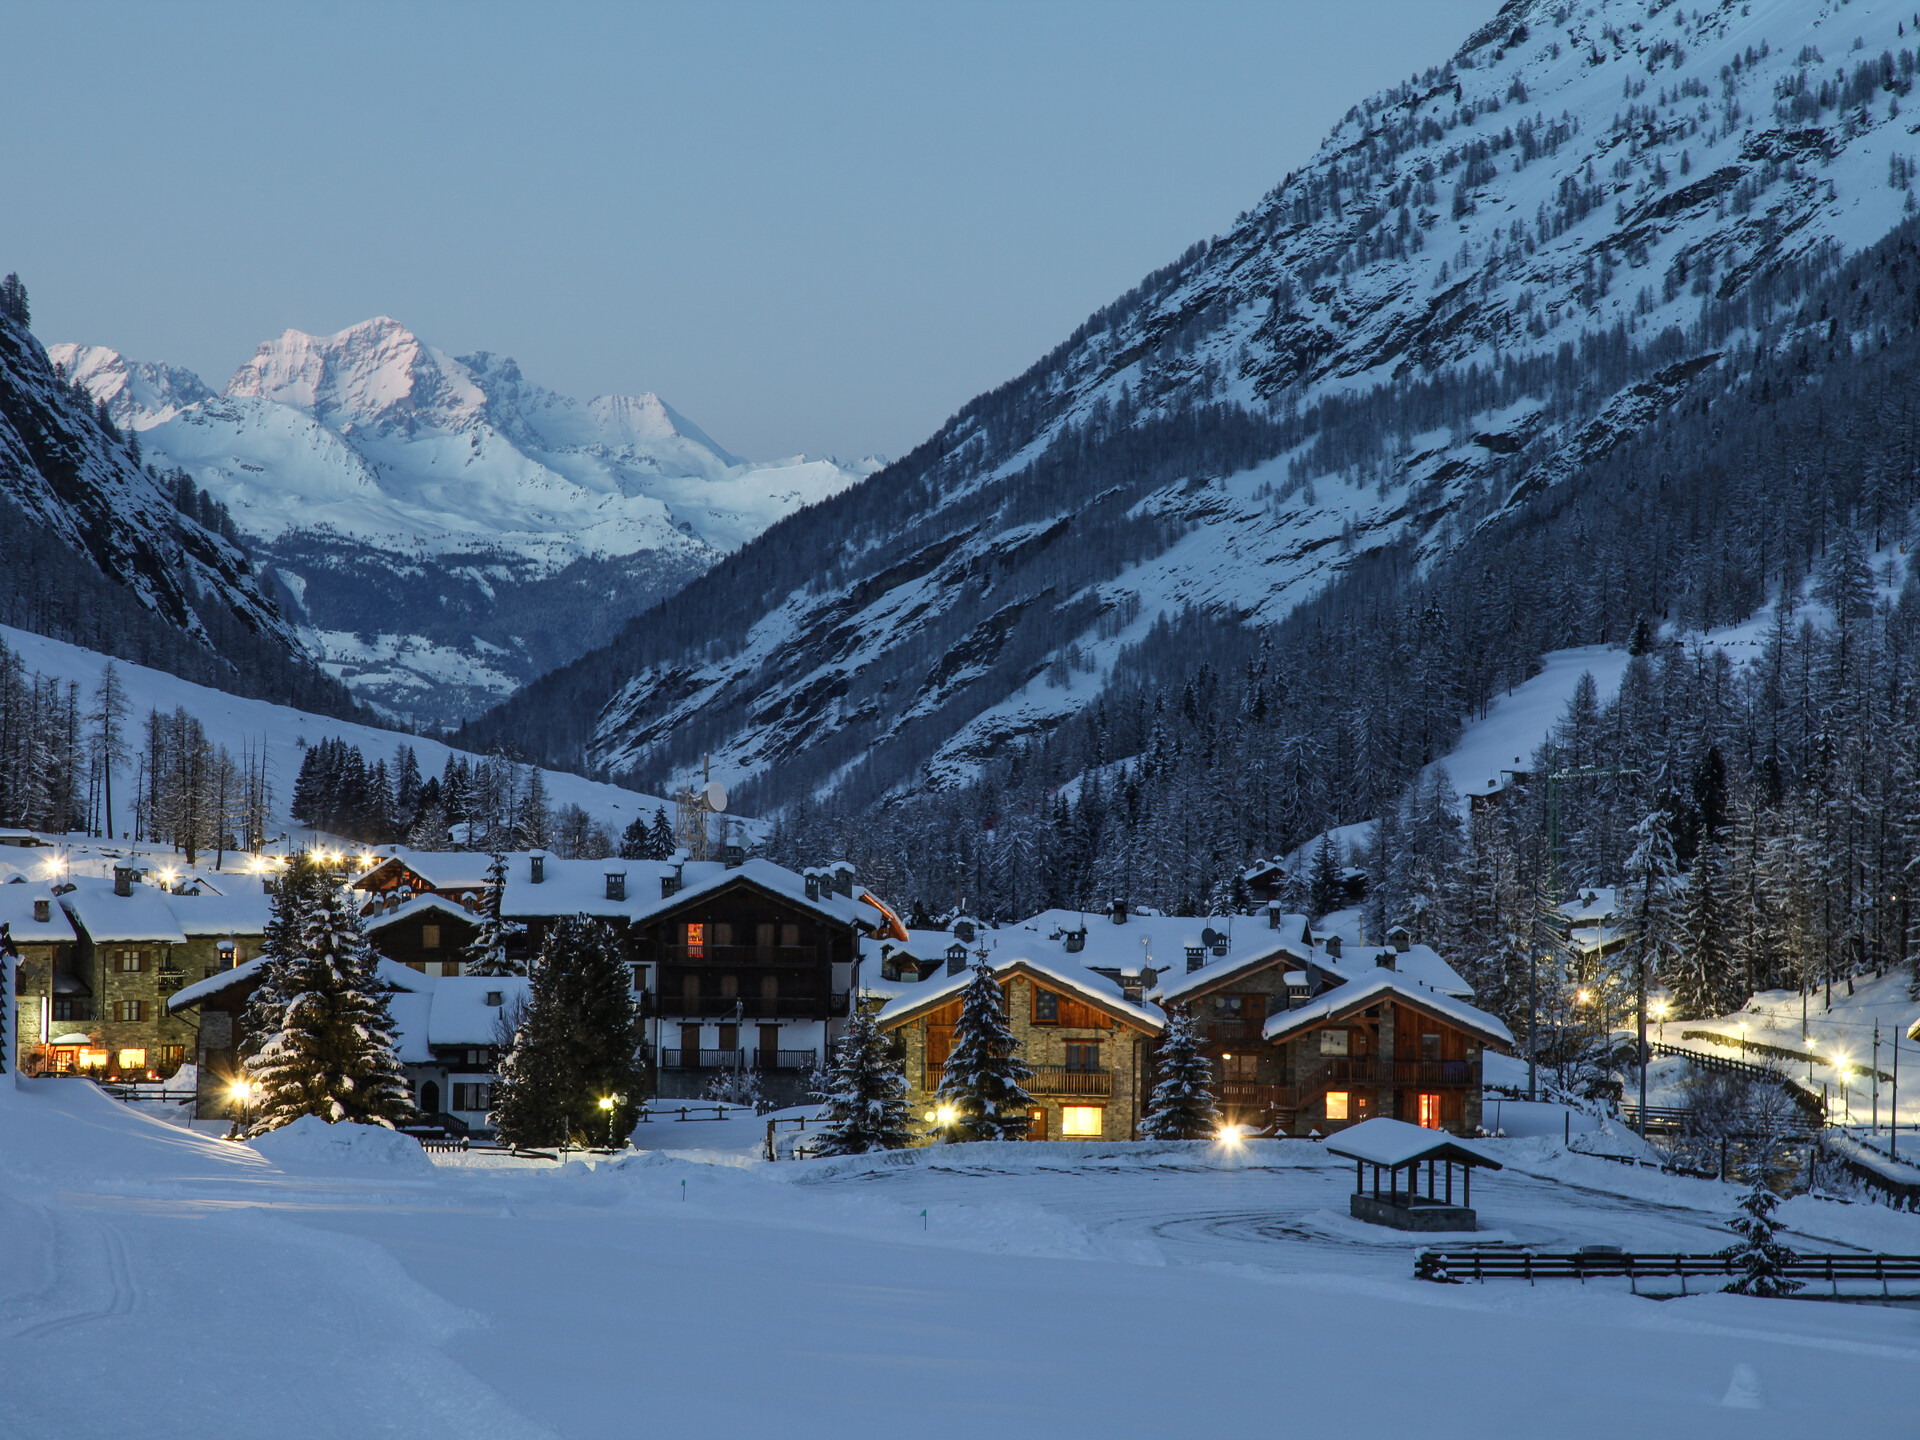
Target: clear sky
<point x="817" y="227"/>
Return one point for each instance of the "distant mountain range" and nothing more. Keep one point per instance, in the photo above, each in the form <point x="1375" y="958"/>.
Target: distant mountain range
<point x="440" y="530"/>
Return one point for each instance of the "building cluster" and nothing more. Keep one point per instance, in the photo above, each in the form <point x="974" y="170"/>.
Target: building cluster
<point x="743" y="965"/>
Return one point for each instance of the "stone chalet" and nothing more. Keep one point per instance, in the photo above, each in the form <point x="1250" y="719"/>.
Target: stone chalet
<point x="50" y="1000"/>
<point x="1089" y="1047"/>
<point x="130" y="955"/>
<point x="738" y="964"/>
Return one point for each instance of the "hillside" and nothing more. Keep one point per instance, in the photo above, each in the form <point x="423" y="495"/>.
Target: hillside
<point x="441" y="529"/>
<point x="1486" y="279"/>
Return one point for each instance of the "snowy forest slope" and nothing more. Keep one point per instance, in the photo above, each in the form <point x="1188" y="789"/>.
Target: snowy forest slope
<point x="1485" y="280"/>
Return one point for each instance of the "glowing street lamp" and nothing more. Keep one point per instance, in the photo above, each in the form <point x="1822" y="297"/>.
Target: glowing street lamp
<point x="1660" y="1008"/>
<point x="244" y="1093"/>
<point x="606" y="1104"/>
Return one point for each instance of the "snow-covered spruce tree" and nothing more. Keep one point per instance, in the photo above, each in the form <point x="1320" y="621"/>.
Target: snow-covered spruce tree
<point x="981" y="1082"/>
<point x="1181" y="1106"/>
<point x="486" y="953"/>
<point x="320" y="1040"/>
<point x="1702" y="977"/>
<point x="865" y="1095"/>
<point x="1759" y="1259"/>
<point x="736" y="1085"/>
<point x="577" y="1045"/>
<point x="1326" y="889"/>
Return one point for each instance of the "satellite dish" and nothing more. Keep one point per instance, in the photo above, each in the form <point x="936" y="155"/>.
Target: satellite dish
<point x="716" y="797"/>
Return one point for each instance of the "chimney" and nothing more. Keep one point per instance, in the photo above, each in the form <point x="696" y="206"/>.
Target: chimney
<point x="736" y="856"/>
<point x="956" y="959"/>
<point x="1399" y="939"/>
<point x="537" y="867"/>
<point x="668" y="884"/>
<point x="813" y="886"/>
<point x="1273" y="917"/>
<point x="1196" y="957"/>
<point x="1119" y="910"/>
<point x="616" y="885"/>
<point x="1132" y="988"/>
<point x="1385" y="959"/>
<point x="963" y="931"/>
<point x="843" y="881"/>
<point x="122" y="880"/>
<point x="43" y="910"/>
<point x="1076" y="941"/>
<point x="1333" y="947"/>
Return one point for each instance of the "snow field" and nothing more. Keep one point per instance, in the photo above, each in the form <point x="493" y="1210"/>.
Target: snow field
<point x="1050" y="1290"/>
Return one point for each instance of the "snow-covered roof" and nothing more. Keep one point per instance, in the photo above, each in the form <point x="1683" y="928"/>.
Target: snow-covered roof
<point x="1357" y="994"/>
<point x="71" y="1040"/>
<point x="418" y="905"/>
<point x="107" y="917"/>
<point x="1097" y="990"/>
<point x="200" y="990"/>
<point x="1157" y="941"/>
<point x="431" y="1010"/>
<point x="1381" y="1141"/>
<point x="442" y="869"/>
<point x="1261" y="946"/>
<point x="579" y="887"/>
<point x="16" y="912"/>
<point x="206" y="914"/>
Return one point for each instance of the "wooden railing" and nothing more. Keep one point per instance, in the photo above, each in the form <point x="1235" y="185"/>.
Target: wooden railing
<point x="676" y="1059"/>
<point x="748" y="1007"/>
<point x="1223" y="1032"/>
<point x="1531" y="1266"/>
<point x="1369" y="1070"/>
<point x="1045" y="1080"/>
<point x="783" y="1059"/>
<point x="741" y="955"/>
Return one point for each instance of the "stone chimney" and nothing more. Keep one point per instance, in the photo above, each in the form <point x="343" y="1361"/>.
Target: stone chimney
<point x="1119" y="910"/>
<point x="963" y="931"/>
<point x="616" y="885"/>
<point x="537" y="867"/>
<point x="1273" y="917"/>
<point x="1333" y="947"/>
<point x="1196" y="957"/>
<point x="813" y="886"/>
<point x="43" y="910"/>
<point x="122" y="880"/>
<point x="668" y="884"/>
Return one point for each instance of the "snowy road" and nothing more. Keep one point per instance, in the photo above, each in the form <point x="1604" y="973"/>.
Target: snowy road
<point x="158" y="1281"/>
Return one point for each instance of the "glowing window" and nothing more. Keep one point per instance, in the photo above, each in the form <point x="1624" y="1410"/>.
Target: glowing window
<point x="1429" y="1112"/>
<point x="1333" y="1042"/>
<point x="133" y="1059"/>
<point x="93" y="1059"/>
<point x="696" y="941"/>
<point x="1336" y="1103"/>
<point x="1080" y="1120"/>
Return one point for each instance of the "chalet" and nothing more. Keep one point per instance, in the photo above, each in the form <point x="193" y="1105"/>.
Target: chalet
<point x="739" y="963"/>
<point x="1494" y="791"/>
<point x="451" y="1033"/>
<point x="50" y="997"/>
<point x="1086" y="1043"/>
<point x="222" y="930"/>
<point x="130" y="950"/>
<point x="219" y="1002"/>
<point x="1381" y="1045"/>
<point x="889" y="963"/>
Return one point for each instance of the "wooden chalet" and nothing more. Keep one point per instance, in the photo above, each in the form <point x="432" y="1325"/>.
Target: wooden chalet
<point x="1382" y="1046"/>
<point x="1087" y="1045"/>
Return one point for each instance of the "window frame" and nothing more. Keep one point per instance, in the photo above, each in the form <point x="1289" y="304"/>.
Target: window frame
<point x="1344" y="1105"/>
<point x="1069" y="1132"/>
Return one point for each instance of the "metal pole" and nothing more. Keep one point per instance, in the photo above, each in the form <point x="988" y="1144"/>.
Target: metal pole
<point x="1893" y="1106"/>
<point x="1876" y="1077"/>
<point x="1642" y="978"/>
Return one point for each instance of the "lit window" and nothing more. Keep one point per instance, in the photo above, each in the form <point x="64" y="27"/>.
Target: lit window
<point x="1429" y="1112"/>
<point x="1336" y="1104"/>
<point x="1333" y="1042"/>
<point x="133" y="1059"/>
<point x="429" y="937"/>
<point x="696" y="941"/>
<point x="1080" y="1120"/>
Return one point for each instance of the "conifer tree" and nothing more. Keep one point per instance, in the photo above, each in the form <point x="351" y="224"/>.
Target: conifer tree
<point x="1181" y="1106"/>
<point x="1702" y="975"/>
<point x="661" y="836"/>
<point x="1759" y="1259"/>
<point x="864" y="1099"/>
<point x="486" y="953"/>
<point x="320" y="1040"/>
<point x="1326" y="889"/>
<point x="634" y="844"/>
<point x="981" y="1082"/>
<point x="577" y="1045"/>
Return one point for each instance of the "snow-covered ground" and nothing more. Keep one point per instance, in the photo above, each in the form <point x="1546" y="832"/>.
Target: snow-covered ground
<point x="158" y="1280"/>
<point x="240" y="724"/>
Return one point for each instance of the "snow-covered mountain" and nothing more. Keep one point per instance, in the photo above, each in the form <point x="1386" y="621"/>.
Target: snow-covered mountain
<point x="1485" y="278"/>
<point x="388" y="481"/>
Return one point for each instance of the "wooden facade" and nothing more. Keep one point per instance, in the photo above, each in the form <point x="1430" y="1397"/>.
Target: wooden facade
<point x="427" y="934"/>
<point x="1089" y="1058"/>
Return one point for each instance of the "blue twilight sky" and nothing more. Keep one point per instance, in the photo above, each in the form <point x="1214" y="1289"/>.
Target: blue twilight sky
<point x="816" y="227"/>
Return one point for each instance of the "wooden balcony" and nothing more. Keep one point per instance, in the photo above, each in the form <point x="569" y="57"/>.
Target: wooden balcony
<point x="1234" y="1032"/>
<point x="740" y="956"/>
<point x="747" y="1007"/>
<point x="1046" y="1080"/>
<point x="1366" y="1070"/>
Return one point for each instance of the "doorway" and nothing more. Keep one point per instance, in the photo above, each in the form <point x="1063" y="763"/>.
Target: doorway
<point x="430" y="1097"/>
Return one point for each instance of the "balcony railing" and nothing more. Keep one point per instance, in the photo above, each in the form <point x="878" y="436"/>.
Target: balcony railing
<point x="1046" y="1080"/>
<point x="1249" y="1095"/>
<point x="749" y="1007"/>
<point x="674" y="1059"/>
<point x="1366" y="1070"/>
<point x="724" y="955"/>
<point x="1221" y="1032"/>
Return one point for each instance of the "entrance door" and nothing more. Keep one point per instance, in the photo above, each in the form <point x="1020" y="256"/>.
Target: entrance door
<point x="689" y="1047"/>
<point x="1429" y="1112"/>
<point x="430" y="1097"/>
<point x="769" y="1056"/>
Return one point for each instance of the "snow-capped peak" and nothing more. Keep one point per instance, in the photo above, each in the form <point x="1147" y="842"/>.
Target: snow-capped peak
<point x="376" y="375"/>
<point x="138" y="393"/>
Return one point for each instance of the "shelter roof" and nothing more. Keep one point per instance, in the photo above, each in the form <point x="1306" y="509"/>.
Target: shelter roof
<point x="1382" y="1141"/>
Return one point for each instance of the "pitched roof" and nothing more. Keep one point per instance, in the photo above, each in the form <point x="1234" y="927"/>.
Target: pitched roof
<point x="442" y="869"/>
<point x="1381" y="1141"/>
<point x="1096" y="990"/>
<point x="16" y="912"/>
<point x="190" y="995"/>
<point x="109" y="918"/>
<point x="419" y="905"/>
<point x="579" y="887"/>
<point x="1337" y="1004"/>
<point x="208" y="914"/>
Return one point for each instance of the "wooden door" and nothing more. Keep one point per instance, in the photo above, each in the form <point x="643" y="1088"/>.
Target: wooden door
<point x="689" y="1046"/>
<point x="769" y="1056"/>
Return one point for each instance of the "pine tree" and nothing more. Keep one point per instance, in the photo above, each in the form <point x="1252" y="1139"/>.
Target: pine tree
<point x="577" y="1046"/>
<point x="1702" y="974"/>
<point x="13" y="301"/>
<point x="1759" y="1259"/>
<point x="320" y="1040"/>
<point x="1326" y="890"/>
<point x="1181" y="1106"/>
<point x="486" y="953"/>
<point x="864" y="1099"/>
<point x="535" y="830"/>
<point x="633" y="841"/>
<point x="660" y="835"/>
<point x="981" y="1082"/>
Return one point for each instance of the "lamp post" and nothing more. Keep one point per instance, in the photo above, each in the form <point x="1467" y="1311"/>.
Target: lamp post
<point x="244" y="1094"/>
<point x="606" y="1104"/>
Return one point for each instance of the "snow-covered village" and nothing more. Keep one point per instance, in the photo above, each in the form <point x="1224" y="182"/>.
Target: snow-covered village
<point x="1298" y="760"/>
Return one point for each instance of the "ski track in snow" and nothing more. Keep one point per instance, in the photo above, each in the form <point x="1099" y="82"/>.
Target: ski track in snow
<point x="200" y="1290"/>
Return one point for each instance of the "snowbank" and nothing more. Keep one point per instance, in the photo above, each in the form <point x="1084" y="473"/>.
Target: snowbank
<point x="311" y="1144"/>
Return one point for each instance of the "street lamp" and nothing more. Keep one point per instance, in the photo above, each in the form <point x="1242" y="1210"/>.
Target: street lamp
<point x="244" y="1094"/>
<point x="606" y="1104"/>
<point x="1660" y="1008"/>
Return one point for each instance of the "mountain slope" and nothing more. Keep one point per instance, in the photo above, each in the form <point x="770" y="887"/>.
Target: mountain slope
<point x="1485" y="279"/>
<point x="105" y="554"/>
<point x="443" y="529"/>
